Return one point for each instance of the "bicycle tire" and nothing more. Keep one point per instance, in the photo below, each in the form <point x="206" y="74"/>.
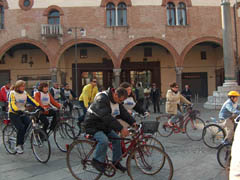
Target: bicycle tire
<point x="213" y="135"/>
<point x="63" y="135"/>
<point x="194" y="128"/>
<point x="163" y="129"/>
<point x="78" y="162"/>
<point x="73" y="122"/>
<point x="140" y="154"/>
<point x="224" y="155"/>
<point x="9" y="138"/>
<point x="150" y="140"/>
<point x="39" y="139"/>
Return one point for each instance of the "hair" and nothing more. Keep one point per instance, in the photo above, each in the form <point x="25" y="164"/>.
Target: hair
<point x="42" y="85"/>
<point x="174" y="84"/>
<point x="127" y="85"/>
<point x="121" y="92"/>
<point x="17" y="85"/>
<point x="92" y="78"/>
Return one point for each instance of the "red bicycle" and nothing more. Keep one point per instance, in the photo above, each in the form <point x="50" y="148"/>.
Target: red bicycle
<point x="142" y="159"/>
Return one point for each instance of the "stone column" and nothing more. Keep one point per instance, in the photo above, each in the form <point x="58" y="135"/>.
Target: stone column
<point x="179" y="77"/>
<point x="228" y="52"/>
<point x="53" y="75"/>
<point x="116" y="77"/>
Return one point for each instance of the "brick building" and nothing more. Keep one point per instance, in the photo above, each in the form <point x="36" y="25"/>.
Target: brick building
<point x="157" y="41"/>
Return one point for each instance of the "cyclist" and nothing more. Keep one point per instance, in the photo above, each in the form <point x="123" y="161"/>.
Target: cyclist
<point x="100" y="121"/>
<point x="55" y="92"/>
<point x="173" y="100"/>
<point x="66" y="95"/>
<point x="45" y="99"/>
<point x="17" y="101"/>
<point x="228" y="112"/>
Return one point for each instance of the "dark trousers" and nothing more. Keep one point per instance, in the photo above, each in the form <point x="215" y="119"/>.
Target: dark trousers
<point x="69" y="104"/>
<point x="44" y="120"/>
<point x="21" y="123"/>
<point x="156" y="106"/>
<point x="81" y="103"/>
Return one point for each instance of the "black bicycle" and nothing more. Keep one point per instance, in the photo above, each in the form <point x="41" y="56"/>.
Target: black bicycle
<point x="40" y="144"/>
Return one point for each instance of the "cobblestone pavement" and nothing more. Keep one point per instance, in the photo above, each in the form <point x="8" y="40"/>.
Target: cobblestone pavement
<point x="191" y="160"/>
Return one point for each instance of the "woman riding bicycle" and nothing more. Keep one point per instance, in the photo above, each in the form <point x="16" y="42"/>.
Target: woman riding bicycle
<point x="45" y="99"/>
<point x="17" y="101"/>
<point x="173" y="100"/>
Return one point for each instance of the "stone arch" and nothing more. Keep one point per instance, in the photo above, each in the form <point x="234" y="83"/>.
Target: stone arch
<point x="53" y="7"/>
<point x="161" y="42"/>
<point x="14" y="42"/>
<point x="4" y="3"/>
<point x="197" y="41"/>
<point x="115" y="2"/>
<point x="98" y="43"/>
<point x="187" y="2"/>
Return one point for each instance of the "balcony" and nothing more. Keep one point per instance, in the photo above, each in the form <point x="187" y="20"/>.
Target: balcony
<point x="51" y="30"/>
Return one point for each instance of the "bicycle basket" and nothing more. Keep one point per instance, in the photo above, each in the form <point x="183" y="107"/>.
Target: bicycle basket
<point x="150" y="126"/>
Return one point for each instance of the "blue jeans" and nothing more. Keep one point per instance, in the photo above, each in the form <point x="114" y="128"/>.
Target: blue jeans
<point x="102" y="146"/>
<point x="174" y="118"/>
<point x="81" y="118"/>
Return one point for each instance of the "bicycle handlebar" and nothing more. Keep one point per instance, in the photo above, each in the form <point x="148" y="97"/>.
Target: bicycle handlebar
<point x="133" y="131"/>
<point x="237" y="119"/>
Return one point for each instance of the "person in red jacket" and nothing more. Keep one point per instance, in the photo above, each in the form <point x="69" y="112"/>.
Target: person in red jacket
<point x="45" y="99"/>
<point x="4" y="95"/>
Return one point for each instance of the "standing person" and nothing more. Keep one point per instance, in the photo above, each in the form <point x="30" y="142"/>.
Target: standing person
<point x="87" y="96"/>
<point x="17" y="101"/>
<point x="46" y="100"/>
<point x="147" y="98"/>
<point x="140" y="91"/>
<point x="4" y="95"/>
<point x="56" y="92"/>
<point x="186" y="92"/>
<point x="155" y="97"/>
<point x="66" y="95"/>
<point x="101" y="122"/>
<point x="229" y="110"/>
<point x="173" y="99"/>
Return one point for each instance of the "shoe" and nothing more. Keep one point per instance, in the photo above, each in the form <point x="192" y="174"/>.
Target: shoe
<point x="19" y="149"/>
<point x="120" y="167"/>
<point x="98" y="165"/>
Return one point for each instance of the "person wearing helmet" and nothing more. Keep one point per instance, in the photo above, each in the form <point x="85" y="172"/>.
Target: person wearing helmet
<point x="228" y="112"/>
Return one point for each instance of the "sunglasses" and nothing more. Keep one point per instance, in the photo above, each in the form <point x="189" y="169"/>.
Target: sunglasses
<point x="95" y="81"/>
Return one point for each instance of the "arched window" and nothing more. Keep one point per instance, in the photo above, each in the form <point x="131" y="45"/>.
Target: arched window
<point x="111" y="15"/>
<point x="171" y="14"/>
<point x="122" y="14"/>
<point x="182" y="14"/>
<point x="1" y="17"/>
<point x="54" y="17"/>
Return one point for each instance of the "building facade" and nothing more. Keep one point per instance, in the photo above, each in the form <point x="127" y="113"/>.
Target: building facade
<point x="149" y="41"/>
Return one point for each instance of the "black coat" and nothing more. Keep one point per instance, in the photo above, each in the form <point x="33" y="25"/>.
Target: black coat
<point x="155" y="95"/>
<point x="101" y="119"/>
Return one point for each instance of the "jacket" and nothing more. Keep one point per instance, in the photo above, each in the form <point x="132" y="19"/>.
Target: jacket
<point x="99" y="115"/>
<point x="172" y="101"/>
<point x="88" y="93"/>
<point x="155" y="94"/>
<point x="228" y="109"/>
<point x="4" y="94"/>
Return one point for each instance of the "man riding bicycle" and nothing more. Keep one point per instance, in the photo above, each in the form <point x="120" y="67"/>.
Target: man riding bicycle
<point x="101" y="122"/>
<point x="229" y="110"/>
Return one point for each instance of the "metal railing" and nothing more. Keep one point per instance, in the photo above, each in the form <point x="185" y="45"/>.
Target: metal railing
<point x="51" y="30"/>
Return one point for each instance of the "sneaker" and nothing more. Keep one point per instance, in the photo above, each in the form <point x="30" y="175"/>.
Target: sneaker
<point x="19" y="149"/>
<point x="98" y="165"/>
<point x="120" y="167"/>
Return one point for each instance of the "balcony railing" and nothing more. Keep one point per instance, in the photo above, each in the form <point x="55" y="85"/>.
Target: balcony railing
<point x="51" y="30"/>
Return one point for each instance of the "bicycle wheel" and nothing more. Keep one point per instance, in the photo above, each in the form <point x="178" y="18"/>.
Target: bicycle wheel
<point x="40" y="145"/>
<point x="9" y="139"/>
<point x="73" y="122"/>
<point x="149" y="160"/>
<point x="63" y="134"/>
<point x="213" y="135"/>
<point x="150" y="140"/>
<point x="224" y="155"/>
<point x="79" y="156"/>
<point x="194" y="128"/>
<point x="164" y="129"/>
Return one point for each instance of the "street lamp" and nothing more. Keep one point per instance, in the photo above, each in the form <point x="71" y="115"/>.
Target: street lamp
<point x="82" y="33"/>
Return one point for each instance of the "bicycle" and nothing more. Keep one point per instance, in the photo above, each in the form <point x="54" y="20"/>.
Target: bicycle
<point x="80" y="153"/>
<point x="40" y="144"/>
<point x="193" y="125"/>
<point x="213" y="134"/>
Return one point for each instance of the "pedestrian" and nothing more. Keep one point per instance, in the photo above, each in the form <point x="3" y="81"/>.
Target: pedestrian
<point x="147" y="98"/>
<point x="155" y="97"/>
<point x="4" y="95"/>
<point x="140" y="92"/>
<point x="186" y="92"/>
<point x="87" y="96"/>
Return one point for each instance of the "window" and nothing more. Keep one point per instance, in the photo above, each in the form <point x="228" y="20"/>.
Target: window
<point x="171" y="15"/>
<point x="147" y="52"/>
<point x="54" y="17"/>
<point x="203" y="55"/>
<point x="111" y="15"/>
<point x="122" y="14"/>
<point x="182" y="15"/>
<point x="83" y="53"/>
<point x="1" y="17"/>
<point x="26" y="3"/>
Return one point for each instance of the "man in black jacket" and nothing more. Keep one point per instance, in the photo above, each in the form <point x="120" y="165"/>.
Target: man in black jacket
<point x="101" y="122"/>
<point x="155" y="96"/>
